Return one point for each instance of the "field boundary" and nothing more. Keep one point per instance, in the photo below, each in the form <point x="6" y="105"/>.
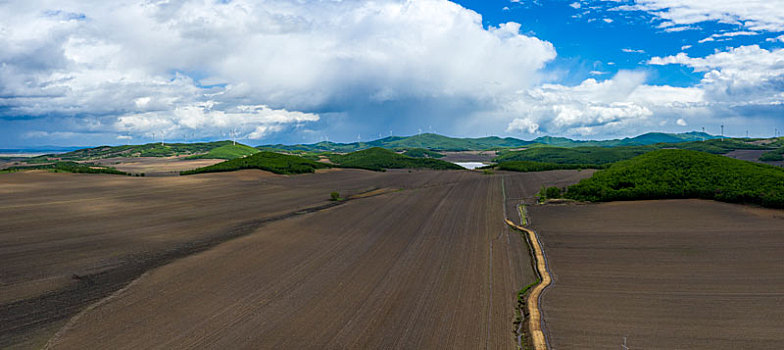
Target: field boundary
<point x="534" y="313"/>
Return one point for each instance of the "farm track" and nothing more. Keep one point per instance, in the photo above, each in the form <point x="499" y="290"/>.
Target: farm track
<point x="535" y="323"/>
<point x="427" y="267"/>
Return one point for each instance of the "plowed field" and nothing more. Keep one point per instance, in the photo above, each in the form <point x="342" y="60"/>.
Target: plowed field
<point x="674" y="274"/>
<point x="254" y="260"/>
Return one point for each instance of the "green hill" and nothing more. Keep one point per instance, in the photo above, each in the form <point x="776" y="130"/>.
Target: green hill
<point x="269" y="161"/>
<point x="230" y="151"/>
<point x="146" y="150"/>
<point x="379" y="159"/>
<point x="684" y="174"/>
<point x="422" y="153"/>
<point x="598" y="156"/>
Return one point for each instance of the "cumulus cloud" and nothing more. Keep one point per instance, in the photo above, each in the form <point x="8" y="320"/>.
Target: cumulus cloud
<point x="743" y="75"/>
<point x="756" y="15"/>
<point x="624" y="102"/>
<point x="248" y="122"/>
<point x="137" y="63"/>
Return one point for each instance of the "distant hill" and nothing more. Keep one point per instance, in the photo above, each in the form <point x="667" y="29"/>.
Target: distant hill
<point x="146" y="150"/>
<point x="444" y="143"/>
<point x="670" y="173"/>
<point x="641" y="140"/>
<point x="380" y="159"/>
<point x="596" y="156"/>
<point x="424" y="141"/>
<point x="432" y="142"/>
<point x="229" y="151"/>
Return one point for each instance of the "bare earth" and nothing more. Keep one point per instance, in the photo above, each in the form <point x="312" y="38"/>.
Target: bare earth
<point x="674" y="274"/>
<point x="156" y="166"/>
<point x="254" y="260"/>
<point x="751" y="155"/>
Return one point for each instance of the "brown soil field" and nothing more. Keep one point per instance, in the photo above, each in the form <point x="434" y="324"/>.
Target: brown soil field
<point x="430" y="265"/>
<point x="670" y="274"/>
<point x="156" y="166"/>
<point x="67" y="240"/>
<point x="522" y="192"/>
<point x="751" y="155"/>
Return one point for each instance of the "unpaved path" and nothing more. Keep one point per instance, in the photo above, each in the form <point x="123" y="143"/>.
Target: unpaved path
<point x="536" y="331"/>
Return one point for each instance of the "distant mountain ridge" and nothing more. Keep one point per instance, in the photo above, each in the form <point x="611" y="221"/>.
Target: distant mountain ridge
<point x="445" y="143"/>
<point x="227" y="150"/>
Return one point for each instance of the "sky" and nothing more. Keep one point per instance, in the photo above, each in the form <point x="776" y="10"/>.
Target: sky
<point x="89" y="72"/>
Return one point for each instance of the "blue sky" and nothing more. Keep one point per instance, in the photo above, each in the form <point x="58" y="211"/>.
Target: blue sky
<point x="88" y="72"/>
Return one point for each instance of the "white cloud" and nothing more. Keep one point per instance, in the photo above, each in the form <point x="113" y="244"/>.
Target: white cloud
<point x="251" y="122"/>
<point x="714" y="37"/>
<point x="681" y="122"/>
<point x="627" y="50"/>
<point x="523" y="125"/>
<point x="607" y="20"/>
<point x="778" y="38"/>
<point x="757" y="15"/>
<point x="744" y="75"/>
<point x="575" y="5"/>
<point x="138" y="63"/>
<point x="606" y="107"/>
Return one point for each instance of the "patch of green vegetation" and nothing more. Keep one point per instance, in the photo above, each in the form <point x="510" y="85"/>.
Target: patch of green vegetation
<point x="523" y="214"/>
<point x="380" y="159"/>
<point x="68" y="167"/>
<point x="230" y="151"/>
<point x="528" y="166"/>
<point x="773" y="156"/>
<point x="551" y="192"/>
<point x="665" y="174"/>
<point x="422" y="153"/>
<point x="590" y="156"/>
<point x="597" y="157"/>
<point x="715" y="146"/>
<point x="334" y="196"/>
<point x="269" y="161"/>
